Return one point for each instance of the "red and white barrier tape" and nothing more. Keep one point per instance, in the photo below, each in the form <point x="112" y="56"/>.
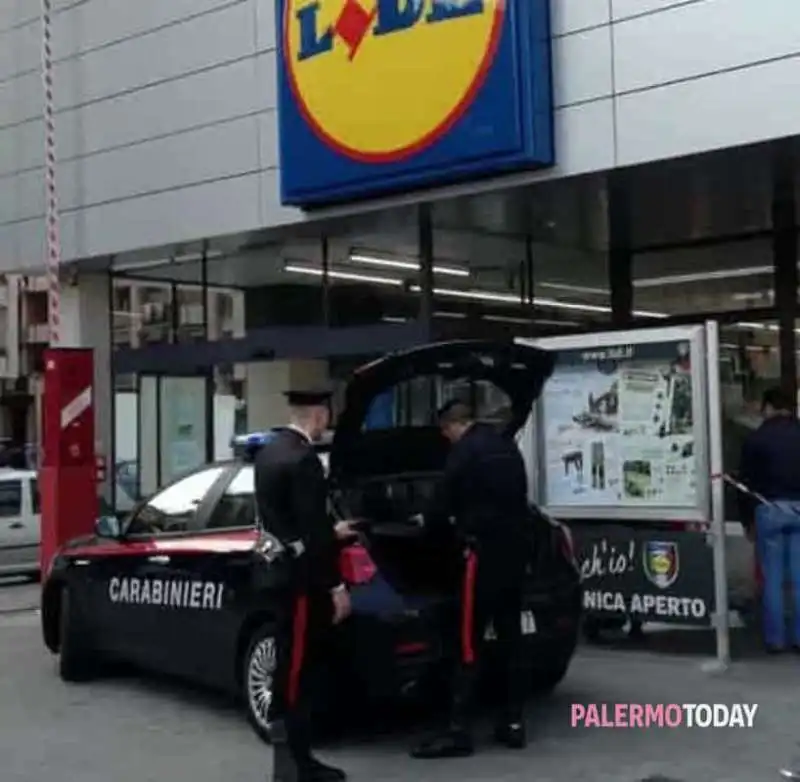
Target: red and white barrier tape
<point x="741" y="487"/>
<point x="51" y="203"/>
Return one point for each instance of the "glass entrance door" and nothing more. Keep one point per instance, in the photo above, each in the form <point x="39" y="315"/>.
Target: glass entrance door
<point x="175" y="428"/>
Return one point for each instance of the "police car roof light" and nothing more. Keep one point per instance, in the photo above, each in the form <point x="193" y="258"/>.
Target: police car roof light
<point x="246" y="446"/>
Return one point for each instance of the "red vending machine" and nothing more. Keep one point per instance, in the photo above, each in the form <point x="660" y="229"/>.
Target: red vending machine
<point x="67" y="474"/>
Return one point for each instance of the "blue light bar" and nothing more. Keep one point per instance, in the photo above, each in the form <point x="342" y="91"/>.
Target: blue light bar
<point x="246" y="446"/>
<point x="251" y="440"/>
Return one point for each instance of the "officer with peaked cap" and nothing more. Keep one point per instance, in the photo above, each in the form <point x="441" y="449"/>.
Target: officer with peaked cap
<point x="291" y="495"/>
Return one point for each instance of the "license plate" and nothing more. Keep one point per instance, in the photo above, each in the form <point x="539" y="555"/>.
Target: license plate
<point x="527" y="622"/>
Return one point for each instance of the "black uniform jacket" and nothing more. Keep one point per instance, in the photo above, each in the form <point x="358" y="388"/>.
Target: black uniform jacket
<point x="485" y="488"/>
<point x="292" y="497"/>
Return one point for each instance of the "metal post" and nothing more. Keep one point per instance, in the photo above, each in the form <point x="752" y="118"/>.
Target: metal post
<point x="620" y="262"/>
<point x="722" y="614"/>
<point x="51" y="201"/>
<point x="326" y="282"/>
<point x="426" y="282"/>
<point x="784" y="251"/>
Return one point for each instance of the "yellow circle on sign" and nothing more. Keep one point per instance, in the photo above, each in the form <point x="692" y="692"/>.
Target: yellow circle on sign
<point x="377" y="94"/>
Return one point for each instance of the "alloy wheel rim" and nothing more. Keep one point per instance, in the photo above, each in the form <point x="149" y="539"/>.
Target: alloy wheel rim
<point x="260" y="674"/>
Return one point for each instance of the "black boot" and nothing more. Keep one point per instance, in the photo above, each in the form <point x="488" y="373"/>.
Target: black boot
<point x="456" y="740"/>
<point x="313" y="770"/>
<point x="284" y="761"/>
<point x="511" y="733"/>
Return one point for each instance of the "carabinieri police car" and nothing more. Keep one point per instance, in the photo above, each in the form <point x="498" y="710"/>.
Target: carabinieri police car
<point x="183" y="585"/>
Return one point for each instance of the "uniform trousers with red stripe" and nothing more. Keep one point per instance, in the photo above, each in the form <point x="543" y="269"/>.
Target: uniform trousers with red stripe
<point x="301" y="634"/>
<point x="491" y="601"/>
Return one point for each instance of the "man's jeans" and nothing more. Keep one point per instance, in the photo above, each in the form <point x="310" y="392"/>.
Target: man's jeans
<point x="778" y="540"/>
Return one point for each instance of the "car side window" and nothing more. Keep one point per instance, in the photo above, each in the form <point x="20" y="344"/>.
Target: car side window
<point x="173" y="509"/>
<point x="237" y="506"/>
<point x="36" y="499"/>
<point x="10" y="499"/>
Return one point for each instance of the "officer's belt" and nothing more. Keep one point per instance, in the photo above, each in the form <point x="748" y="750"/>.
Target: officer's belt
<point x="295" y="548"/>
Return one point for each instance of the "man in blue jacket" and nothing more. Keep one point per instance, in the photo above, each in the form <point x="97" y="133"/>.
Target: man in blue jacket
<point x="770" y="467"/>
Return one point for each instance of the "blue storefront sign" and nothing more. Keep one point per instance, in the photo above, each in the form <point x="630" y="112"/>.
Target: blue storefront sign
<point x="380" y="96"/>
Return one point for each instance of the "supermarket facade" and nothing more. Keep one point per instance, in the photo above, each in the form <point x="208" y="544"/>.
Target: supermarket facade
<point x="286" y="195"/>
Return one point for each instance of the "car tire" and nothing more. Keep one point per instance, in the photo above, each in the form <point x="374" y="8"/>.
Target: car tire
<point x="258" y="670"/>
<point x="75" y="661"/>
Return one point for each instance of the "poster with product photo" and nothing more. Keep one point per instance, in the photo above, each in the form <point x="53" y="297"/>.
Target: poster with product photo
<point x="616" y="429"/>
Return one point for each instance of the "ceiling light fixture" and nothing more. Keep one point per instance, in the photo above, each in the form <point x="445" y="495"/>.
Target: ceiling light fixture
<point x="470" y="295"/>
<point x="395" y="263"/>
<point x="722" y="274"/>
<point x="562" y="286"/>
<point x="314" y="271"/>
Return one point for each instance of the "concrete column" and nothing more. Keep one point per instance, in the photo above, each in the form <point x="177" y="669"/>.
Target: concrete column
<point x="86" y="323"/>
<point x="268" y="380"/>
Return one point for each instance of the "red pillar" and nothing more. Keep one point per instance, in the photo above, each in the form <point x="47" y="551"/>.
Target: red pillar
<point x="67" y="474"/>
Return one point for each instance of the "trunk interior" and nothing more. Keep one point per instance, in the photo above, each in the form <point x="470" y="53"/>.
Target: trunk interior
<point x="412" y="560"/>
<point x="388" y="476"/>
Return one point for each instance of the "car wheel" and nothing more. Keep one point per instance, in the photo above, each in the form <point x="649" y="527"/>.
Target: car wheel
<point x="258" y="678"/>
<point x="75" y="661"/>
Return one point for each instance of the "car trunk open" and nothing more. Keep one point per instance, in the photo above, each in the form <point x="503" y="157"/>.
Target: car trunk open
<point x="387" y="476"/>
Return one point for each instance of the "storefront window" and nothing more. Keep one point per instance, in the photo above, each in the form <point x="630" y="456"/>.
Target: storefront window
<point x="123" y="322"/>
<point x="749" y="365"/>
<point x="230" y="407"/>
<point x="191" y="313"/>
<point x="126" y="443"/>
<point x="152" y="309"/>
<point x="367" y="286"/>
<point x="720" y="278"/>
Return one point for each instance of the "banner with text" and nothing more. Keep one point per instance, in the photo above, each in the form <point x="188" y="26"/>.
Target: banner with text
<point x="649" y="575"/>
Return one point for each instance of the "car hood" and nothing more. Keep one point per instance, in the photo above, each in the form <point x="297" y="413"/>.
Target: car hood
<point x="520" y="371"/>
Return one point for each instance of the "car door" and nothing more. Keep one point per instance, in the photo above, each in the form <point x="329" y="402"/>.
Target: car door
<point x="19" y="533"/>
<point x="144" y="584"/>
<point x="226" y="565"/>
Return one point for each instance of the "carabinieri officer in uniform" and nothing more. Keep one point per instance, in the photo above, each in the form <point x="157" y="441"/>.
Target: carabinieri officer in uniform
<point x="291" y="495"/>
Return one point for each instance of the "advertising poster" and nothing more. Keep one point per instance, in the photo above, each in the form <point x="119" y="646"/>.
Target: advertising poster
<point x="649" y="575"/>
<point x="617" y="429"/>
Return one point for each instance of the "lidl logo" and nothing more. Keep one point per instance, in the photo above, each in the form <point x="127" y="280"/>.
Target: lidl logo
<point x="369" y="74"/>
<point x="379" y="95"/>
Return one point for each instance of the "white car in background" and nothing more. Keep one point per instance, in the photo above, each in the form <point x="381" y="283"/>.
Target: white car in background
<point x="20" y="522"/>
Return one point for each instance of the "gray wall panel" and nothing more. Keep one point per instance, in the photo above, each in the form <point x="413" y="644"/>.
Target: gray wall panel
<point x="167" y="129"/>
<point x="694" y="40"/>
<point x="582" y="67"/>
<point x="150" y="167"/>
<point x="569" y="16"/>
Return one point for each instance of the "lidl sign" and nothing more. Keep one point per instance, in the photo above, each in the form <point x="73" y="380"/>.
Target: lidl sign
<point x="379" y="96"/>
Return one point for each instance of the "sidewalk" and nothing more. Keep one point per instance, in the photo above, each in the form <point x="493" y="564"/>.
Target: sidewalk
<point x="17" y="596"/>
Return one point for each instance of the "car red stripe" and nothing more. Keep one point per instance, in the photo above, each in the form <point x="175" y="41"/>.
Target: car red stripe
<point x="299" y="628"/>
<point x="229" y="542"/>
<point x="468" y="609"/>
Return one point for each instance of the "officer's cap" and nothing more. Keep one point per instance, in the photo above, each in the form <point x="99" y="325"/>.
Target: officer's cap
<point x="309" y="397"/>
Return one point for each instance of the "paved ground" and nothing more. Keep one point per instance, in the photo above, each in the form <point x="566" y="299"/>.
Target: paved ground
<point x="134" y="730"/>
<point x="18" y="594"/>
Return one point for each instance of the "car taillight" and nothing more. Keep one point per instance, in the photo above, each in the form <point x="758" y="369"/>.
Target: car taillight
<point x="356" y="565"/>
